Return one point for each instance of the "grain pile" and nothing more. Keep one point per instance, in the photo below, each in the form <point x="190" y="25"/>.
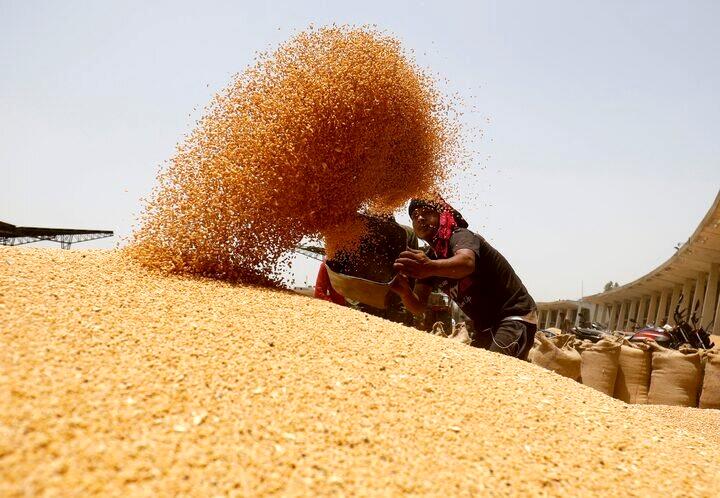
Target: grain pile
<point x="696" y="422"/>
<point x="335" y="120"/>
<point x="118" y="382"/>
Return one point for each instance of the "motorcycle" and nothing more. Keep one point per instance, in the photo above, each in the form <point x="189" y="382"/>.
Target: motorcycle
<point x="682" y="333"/>
<point x="591" y="331"/>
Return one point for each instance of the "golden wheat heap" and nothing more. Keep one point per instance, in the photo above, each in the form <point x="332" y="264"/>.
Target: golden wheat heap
<point x="114" y="383"/>
<point x="335" y="120"/>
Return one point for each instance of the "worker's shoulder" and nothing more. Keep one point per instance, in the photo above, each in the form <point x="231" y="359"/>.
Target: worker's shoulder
<point x="464" y="234"/>
<point x="464" y="238"/>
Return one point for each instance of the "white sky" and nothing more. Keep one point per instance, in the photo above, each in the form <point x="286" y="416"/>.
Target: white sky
<point x="600" y="119"/>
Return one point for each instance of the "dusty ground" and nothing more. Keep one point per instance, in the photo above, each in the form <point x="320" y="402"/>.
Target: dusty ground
<point x="117" y="382"/>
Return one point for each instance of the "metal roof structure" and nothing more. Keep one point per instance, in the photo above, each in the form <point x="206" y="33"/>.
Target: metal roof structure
<point x="313" y="252"/>
<point x="11" y="235"/>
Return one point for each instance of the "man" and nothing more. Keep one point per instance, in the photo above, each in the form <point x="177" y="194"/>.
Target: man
<point x="469" y="270"/>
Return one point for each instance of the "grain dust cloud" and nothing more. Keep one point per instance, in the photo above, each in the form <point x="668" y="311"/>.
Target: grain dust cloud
<point x="336" y="120"/>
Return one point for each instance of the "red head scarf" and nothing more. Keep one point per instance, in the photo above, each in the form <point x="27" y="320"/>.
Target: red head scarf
<point x="450" y="219"/>
<point x="448" y="224"/>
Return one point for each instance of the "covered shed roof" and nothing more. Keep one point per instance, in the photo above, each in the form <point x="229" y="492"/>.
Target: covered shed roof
<point x="694" y="256"/>
<point x="563" y="304"/>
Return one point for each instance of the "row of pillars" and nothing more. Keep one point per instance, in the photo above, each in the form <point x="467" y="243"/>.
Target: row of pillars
<point x="700" y="293"/>
<point x="555" y="318"/>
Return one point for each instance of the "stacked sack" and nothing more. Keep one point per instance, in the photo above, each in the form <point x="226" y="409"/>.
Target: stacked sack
<point x="636" y="373"/>
<point x="710" y="396"/>
<point x="633" y="376"/>
<point x="600" y="365"/>
<point x="676" y="376"/>
<point x="556" y="354"/>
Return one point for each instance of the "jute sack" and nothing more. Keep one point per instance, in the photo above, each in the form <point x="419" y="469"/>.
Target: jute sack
<point x="600" y="365"/>
<point x="710" y="397"/>
<point x="581" y="346"/>
<point x="633" y="377"/>
<point x="557" y="355"/>
<point x="675" y="378"/>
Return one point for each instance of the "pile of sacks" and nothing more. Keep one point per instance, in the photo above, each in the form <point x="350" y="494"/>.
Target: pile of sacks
<point x="640" y="373"/>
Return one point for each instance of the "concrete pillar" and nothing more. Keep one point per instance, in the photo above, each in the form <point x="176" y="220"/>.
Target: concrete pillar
<point x="612" y="316"/>
<point x="687" y="298"/>
<point x="716" y="323"/>
<point x="631" y="315"/>
<point x="699" y="294"/>
<point x="569" y="316"/>
<point x="558" y="320"/>
<point x="620" y="323"/>
<point x="711" y="294"/>
<point x="599" y="313"/>
<point x="652" y="310"/>
<point x="673" y="304"/>
<point x="640" y="320"/>
<point x="548" y="317"/>
<point x="665" y="298"/>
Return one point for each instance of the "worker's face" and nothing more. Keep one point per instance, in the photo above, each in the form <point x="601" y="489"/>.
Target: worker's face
<point x="426" y="222"/>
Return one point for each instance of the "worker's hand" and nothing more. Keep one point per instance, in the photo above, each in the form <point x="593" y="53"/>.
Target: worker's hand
<point x="400" y="285"/>
<point x="414" y="263"/>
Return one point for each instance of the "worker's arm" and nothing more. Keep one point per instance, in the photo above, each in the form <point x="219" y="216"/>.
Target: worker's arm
<point x="416" y="264"/>
<point x="414" y="299"/>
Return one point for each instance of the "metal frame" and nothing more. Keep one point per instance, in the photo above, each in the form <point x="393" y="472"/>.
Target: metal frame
<point x="11" y="235"/>
<point x="313" y="252"/>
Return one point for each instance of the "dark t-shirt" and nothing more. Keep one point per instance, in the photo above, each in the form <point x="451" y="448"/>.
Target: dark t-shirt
<point x="490" y="293"/>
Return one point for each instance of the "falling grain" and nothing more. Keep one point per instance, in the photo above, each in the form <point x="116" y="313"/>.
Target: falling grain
<point x="335" y="120"/>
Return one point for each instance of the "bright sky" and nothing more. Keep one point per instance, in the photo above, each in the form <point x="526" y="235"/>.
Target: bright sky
<point x="600" y="119"/>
